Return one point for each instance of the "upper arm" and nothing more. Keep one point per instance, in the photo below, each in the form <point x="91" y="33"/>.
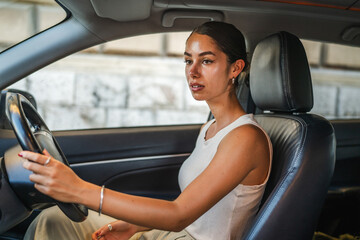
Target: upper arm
<point x="242" y="157"/>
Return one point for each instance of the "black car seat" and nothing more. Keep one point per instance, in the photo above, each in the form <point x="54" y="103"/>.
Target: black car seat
<point x="303" y="143"/>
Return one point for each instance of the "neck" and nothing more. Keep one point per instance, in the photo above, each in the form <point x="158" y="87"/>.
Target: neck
<point x="226" y="110"/>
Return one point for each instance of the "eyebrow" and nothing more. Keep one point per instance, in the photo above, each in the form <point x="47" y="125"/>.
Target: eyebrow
<point x="201" y="54"/>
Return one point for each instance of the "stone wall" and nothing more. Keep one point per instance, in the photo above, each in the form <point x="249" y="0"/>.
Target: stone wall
<point x="140" y="81"/>
<point x="95" y="91"/>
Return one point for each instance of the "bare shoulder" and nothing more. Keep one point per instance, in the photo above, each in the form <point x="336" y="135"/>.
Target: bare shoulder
<point x="247" y="134"/>
<point x="249" y="147"/>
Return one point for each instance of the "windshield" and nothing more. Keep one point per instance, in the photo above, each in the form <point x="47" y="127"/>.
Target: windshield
<point x="20" y="20"/>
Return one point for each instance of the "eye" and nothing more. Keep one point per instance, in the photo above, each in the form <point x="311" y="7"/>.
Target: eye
<point x="188" y="61"/>
<point x="207" y="61"/>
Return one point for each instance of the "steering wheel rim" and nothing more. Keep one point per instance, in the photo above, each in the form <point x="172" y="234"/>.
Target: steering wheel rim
<point x="20" y="113"/>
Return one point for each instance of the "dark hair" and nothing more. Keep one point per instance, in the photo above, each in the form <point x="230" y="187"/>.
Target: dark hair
<point x="228" y="38"/>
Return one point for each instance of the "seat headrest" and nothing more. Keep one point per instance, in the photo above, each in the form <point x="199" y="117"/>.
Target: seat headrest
<point x="280" y="78"/>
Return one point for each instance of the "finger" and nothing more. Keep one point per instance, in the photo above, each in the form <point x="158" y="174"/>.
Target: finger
<point x="39" y="179"/>
<point x="34" y="167"/>
<point x="102" y="237"/>
<point x="35" y="157"/>
<point x="96" y="236"/>
<point x="98" y="233"/>
<point x="103" y="231"/>
<point x="41" y="188"/>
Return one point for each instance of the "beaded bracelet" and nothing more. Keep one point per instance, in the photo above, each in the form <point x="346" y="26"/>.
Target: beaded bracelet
<point x="101" y="198"/>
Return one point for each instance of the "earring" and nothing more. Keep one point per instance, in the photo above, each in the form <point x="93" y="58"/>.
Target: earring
<point x="233" y="80"/>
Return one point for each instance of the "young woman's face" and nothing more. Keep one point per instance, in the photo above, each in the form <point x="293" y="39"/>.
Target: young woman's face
<point x="208" y="72"/>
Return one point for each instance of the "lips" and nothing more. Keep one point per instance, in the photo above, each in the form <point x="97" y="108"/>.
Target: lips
<point x="196" y="87"/>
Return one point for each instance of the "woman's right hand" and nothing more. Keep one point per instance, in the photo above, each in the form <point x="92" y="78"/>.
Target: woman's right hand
<point x="120" y="231"/>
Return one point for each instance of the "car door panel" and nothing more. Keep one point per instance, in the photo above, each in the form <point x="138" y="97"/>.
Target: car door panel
<point x="97" y="145"/>
<point x="143" y="161"/>
<point x="347" y="154"/>
<point x="341" y="208"/>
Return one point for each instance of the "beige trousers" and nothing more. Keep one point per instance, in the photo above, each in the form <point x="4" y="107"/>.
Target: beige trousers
<point x="52" y="224"/>
<point x="162" y="235"/>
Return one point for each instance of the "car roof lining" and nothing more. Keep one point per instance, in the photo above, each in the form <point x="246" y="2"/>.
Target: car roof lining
<point x="327" y="24"/>
<point x="238" y="12"/>
<point x="114" y="9"/>
<point x="340" y="4"/>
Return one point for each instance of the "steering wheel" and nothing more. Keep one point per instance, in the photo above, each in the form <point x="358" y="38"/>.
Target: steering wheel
<point x="33" y="135"/>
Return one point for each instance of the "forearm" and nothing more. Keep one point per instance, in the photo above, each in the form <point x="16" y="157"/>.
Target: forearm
<point x="140" y="211"/>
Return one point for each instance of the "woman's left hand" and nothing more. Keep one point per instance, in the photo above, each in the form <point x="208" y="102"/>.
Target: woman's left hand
<point x="53" y="178"/>
<point x="118" y="230"/>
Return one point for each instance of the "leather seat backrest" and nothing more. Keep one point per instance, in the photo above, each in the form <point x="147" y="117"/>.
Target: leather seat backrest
<point x="303" y="143"/>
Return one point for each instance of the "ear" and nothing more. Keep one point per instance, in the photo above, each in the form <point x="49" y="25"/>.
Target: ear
<point x="237" y="67"/>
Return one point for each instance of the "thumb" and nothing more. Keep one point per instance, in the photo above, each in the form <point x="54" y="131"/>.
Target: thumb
<point x="46" y="153"/>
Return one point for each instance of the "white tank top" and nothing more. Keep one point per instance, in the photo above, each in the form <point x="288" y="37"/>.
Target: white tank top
<point x="228" y="218"/>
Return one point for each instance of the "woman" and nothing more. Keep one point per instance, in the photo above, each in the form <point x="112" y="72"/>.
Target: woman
<point x="222" y="182"/>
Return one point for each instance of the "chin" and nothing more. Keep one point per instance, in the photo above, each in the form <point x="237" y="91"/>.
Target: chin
<point x="198" y="98"/>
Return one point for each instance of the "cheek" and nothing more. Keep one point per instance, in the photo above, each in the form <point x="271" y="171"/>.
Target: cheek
<point x="187" y="74"/>
<point x="218" y="74"/>
<point x="220" y="78"/>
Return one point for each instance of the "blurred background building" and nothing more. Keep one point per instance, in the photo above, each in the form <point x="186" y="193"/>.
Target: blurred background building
<point x="140" y="81"/>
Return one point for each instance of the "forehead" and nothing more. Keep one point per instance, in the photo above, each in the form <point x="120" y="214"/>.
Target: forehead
<point x="201" y="43"/>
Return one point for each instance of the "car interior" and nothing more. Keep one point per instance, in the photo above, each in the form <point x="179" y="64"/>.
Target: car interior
<point x="279" y="63"/>
<point x="314" y="184"/>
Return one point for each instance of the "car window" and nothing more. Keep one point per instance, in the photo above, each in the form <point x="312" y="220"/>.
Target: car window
<point x="20" y="20"/>
<point x="138" y="81"/>
<point x="335" y="71"/>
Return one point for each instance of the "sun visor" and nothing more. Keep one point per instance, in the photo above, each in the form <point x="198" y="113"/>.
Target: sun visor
<point x="351" y="34"/>
<point x="114" y="9"/>
<point x="171" y="16"/>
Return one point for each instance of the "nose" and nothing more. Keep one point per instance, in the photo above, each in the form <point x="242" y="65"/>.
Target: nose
<point x="194" y="71"/>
